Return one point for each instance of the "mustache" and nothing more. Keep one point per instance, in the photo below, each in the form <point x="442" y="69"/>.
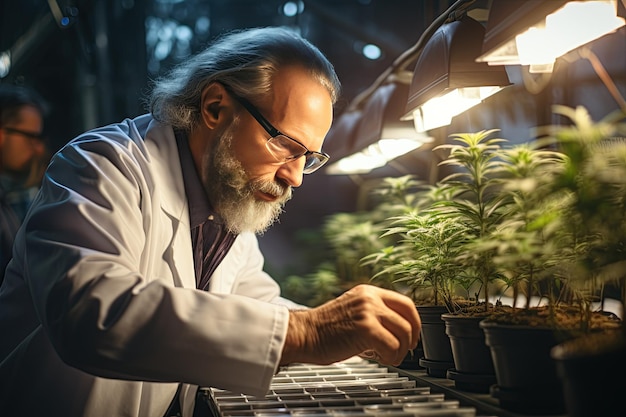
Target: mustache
<point x="276" y="188"/>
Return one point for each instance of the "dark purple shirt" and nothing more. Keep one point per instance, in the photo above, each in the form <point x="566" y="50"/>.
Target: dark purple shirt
<point x="210" y="239"/>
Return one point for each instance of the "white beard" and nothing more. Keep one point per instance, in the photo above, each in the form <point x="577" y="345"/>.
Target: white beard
<point x="232" y="194"/>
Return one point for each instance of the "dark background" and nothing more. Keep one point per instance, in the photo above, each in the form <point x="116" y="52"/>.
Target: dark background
<point x="96" y="68"/>
<point x="93" y="60"/>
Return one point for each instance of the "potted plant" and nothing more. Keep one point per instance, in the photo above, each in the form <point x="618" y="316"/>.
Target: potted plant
<point x="595" y="179"/>
<point x="476" y="201"/>
<point x="432" y="254"/>
<point x="525" y="251"/>
<point x="345" y="239"/>
<point x="478" y="204"/>
<point x="423" y="262"/>
<point x="543" y="246"/>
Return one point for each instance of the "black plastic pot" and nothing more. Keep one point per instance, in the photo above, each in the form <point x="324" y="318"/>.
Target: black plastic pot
<point x="526" y="376"/>
<point x="473" y="369"/>
<point x="593" y="382"/>
<point x="435" y="342"/>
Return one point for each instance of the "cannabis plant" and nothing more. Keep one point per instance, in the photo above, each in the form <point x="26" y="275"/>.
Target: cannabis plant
<point x="476" y="203"/>
<point x="594" y="179"/>
<point x="523" y="244"/>
<point x="424" y="260"/>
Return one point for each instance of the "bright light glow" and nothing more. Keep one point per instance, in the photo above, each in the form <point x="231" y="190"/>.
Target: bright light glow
<point x="529" y="54"/>
<point x="440" y="110"/>
<point x="290" y="9"/>
<point x="183" y="33"/>
<point x="358" y="163"/>
<point x="5" y="63"/>
<point x="203" y="24"/>
<point x="375" y="155"/>
<point x="573" y="25"/>
<point x="371" y="51"/>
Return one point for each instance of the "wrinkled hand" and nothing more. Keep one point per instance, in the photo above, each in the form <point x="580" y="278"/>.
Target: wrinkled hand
<point x="366" y="320"/>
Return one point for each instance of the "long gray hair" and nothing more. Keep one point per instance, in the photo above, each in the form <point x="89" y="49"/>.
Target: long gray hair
<point x="246" y="61"/>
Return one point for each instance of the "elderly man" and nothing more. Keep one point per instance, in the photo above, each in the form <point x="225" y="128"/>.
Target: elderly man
<point x="138" y="272"/>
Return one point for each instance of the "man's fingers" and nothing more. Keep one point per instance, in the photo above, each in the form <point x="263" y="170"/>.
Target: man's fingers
<point x="369" y="321"/>
<point x="396" y="338"/>
<point x="404" y="307"/>
<point x="388" y="346"/>
<point x="393" y="325"/>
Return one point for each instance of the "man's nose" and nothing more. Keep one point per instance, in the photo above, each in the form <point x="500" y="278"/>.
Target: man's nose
<point x="291" y="172"/>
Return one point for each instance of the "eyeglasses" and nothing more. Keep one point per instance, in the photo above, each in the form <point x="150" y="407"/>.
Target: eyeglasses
<point x="29" y="135"/>
<point x="281" y="146"/>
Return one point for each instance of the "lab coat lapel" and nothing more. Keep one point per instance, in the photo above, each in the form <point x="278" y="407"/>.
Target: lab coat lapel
<point x="168" y="176"/>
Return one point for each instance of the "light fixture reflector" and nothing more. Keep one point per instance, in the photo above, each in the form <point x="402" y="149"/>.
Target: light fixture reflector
<point x="440" y="110"/>
<point x="375" y="156"/>
<point x="572" y="25"/>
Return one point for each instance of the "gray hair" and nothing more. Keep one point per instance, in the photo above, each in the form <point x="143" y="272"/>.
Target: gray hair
<point x="246" y="61"/>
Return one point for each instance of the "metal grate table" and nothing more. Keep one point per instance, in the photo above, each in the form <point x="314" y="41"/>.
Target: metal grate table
<point x="349" y="389"/>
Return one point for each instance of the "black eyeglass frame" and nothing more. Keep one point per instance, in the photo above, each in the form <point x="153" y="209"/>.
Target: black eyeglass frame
<point x="273" y="132"/>
<point x="29" y="135"/>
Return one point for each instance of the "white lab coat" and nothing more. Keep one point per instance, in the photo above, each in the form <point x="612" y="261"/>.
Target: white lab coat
<point x="100" y="297"/>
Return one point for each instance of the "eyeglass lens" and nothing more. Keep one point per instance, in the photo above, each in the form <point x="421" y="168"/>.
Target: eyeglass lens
<point x="286" y="149"/>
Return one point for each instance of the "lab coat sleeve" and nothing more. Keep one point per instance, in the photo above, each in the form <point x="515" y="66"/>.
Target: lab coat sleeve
<point x="100" y="260"/>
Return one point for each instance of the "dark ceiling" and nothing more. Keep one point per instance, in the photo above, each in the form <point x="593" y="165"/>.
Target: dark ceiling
<point x="94" y="66"/>
<point x="92" y="60"/>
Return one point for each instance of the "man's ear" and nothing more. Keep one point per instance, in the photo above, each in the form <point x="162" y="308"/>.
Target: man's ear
<point x="214" y="101"/>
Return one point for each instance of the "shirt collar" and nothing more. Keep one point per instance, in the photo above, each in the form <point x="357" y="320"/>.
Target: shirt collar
<point x="200" y="208"/>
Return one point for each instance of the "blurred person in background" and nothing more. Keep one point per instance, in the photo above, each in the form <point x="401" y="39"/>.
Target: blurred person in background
<point x="23" y="158"/>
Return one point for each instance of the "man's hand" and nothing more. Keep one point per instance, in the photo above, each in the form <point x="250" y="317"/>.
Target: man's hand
<point x="366" y="320"/>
